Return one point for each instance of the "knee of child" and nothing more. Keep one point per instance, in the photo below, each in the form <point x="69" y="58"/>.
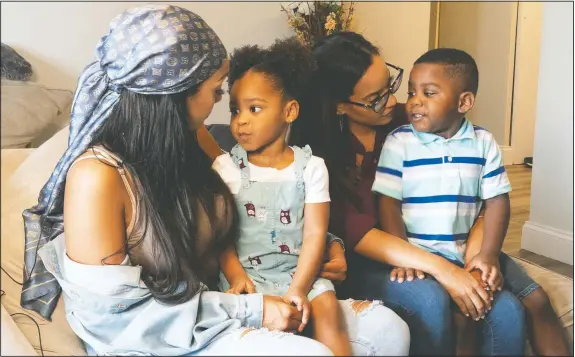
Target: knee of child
<point x="537" y="302"/>
<point x="325" y="302"/>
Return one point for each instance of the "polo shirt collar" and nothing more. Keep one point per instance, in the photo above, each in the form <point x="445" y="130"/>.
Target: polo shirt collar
<point x="466" y="131"/>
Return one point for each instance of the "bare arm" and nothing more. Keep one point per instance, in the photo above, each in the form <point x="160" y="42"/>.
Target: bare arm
<point x="485" y="241"/>
<point x="231" y="266"/>
<point x="475" y="239"/>
<point x="390" y="217"/>
<point x="208" y="143"/>
<point x="95" y="206"/>
<point x="389" y="249"/>
<point x="497" y="212"/>
<point x="311" y="255"/>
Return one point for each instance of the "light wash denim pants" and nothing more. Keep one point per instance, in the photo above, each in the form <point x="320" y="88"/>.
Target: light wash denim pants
<point x="376" y="331"/>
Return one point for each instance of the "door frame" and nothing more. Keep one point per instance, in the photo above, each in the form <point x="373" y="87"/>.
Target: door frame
<point x="526" y="78"/>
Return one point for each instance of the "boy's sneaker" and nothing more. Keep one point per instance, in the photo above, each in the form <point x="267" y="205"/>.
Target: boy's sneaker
<point x="528" y="161"/>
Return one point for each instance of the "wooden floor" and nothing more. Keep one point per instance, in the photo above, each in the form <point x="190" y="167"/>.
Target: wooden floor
<point x="520" y="177"/>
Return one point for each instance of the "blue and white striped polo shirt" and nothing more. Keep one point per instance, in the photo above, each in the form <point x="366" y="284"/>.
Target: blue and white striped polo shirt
<point x="441" y="183"/>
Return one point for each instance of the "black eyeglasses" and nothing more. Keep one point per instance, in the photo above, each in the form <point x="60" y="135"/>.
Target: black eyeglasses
<point x="379" y="103"/>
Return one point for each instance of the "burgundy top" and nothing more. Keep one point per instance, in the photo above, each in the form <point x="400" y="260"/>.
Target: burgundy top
<point x="346" y="221"/>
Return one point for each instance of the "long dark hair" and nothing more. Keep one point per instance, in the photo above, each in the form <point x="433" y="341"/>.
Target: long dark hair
<point x="342" y="59"/>
<point x="174" y="181"/>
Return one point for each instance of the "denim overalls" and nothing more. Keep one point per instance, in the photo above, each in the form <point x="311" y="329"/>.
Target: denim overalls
<point x="271" y="227"/>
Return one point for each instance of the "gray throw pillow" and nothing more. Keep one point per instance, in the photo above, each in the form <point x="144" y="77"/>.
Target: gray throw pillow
<point x="14" y="66"/>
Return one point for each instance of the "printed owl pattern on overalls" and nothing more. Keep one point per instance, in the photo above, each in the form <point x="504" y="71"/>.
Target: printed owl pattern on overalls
<point x="271" y="225"/>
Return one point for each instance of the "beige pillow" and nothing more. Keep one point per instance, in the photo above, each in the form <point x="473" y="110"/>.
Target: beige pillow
<point x="20" y="193"/>
<point x="31" y="113"/>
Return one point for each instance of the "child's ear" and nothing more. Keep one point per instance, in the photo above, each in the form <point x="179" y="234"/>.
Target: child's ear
<point x="466" y="101"/>
<point x="291" y="111"/>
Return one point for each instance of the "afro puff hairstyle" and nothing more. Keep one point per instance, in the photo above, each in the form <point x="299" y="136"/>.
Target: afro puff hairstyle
<point x="286" y="63"/>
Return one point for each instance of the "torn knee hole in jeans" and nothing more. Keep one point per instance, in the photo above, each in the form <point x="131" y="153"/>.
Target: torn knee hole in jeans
<point x="363" y="306"/>
<point x="273" y="333"/>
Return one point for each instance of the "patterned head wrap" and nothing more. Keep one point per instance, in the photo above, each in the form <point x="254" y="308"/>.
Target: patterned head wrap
<point x="152" y="49"/>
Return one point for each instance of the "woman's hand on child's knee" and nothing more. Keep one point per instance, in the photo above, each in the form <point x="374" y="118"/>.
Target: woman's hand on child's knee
<point x="469" y="294"/>
<point x="242" y="285"/>
<point x="401" y="274"/>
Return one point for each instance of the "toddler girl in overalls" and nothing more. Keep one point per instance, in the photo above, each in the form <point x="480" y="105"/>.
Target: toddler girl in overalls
<point x="279" y="250"/>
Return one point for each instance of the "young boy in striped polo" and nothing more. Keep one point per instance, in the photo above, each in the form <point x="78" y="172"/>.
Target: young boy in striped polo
<point x="438" y="175"/>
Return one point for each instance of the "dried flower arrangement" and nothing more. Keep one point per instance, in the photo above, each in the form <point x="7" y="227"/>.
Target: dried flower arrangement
<point x="312" y="20"/>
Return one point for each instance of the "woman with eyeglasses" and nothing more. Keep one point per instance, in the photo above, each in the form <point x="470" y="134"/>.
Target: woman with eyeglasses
<point x="356" y="109"/>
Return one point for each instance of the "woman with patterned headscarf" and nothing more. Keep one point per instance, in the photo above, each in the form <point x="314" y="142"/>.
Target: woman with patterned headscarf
<point x="146" y="216"/>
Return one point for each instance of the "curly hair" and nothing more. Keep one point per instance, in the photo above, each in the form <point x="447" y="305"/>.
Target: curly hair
<point x="286" y="63"/>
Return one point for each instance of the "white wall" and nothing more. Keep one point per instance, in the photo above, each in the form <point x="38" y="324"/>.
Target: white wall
<point x="549" y="230"/>
<point x="527" y="55"/>
<point x="399" y="29"/>
<point x="59" y="38"/>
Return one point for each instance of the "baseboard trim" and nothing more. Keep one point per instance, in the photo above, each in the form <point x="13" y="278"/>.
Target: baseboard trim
<point x="507" y="152"/>
<point x="547" y="241"/>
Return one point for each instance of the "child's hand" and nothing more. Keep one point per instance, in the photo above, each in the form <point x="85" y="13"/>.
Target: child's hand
<point x="408" y="274"/>
<point x="490" y="270"/>
<point x="242" y="285"/>
<point x="300" y="301"/>
<point x="476" y="274"/>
